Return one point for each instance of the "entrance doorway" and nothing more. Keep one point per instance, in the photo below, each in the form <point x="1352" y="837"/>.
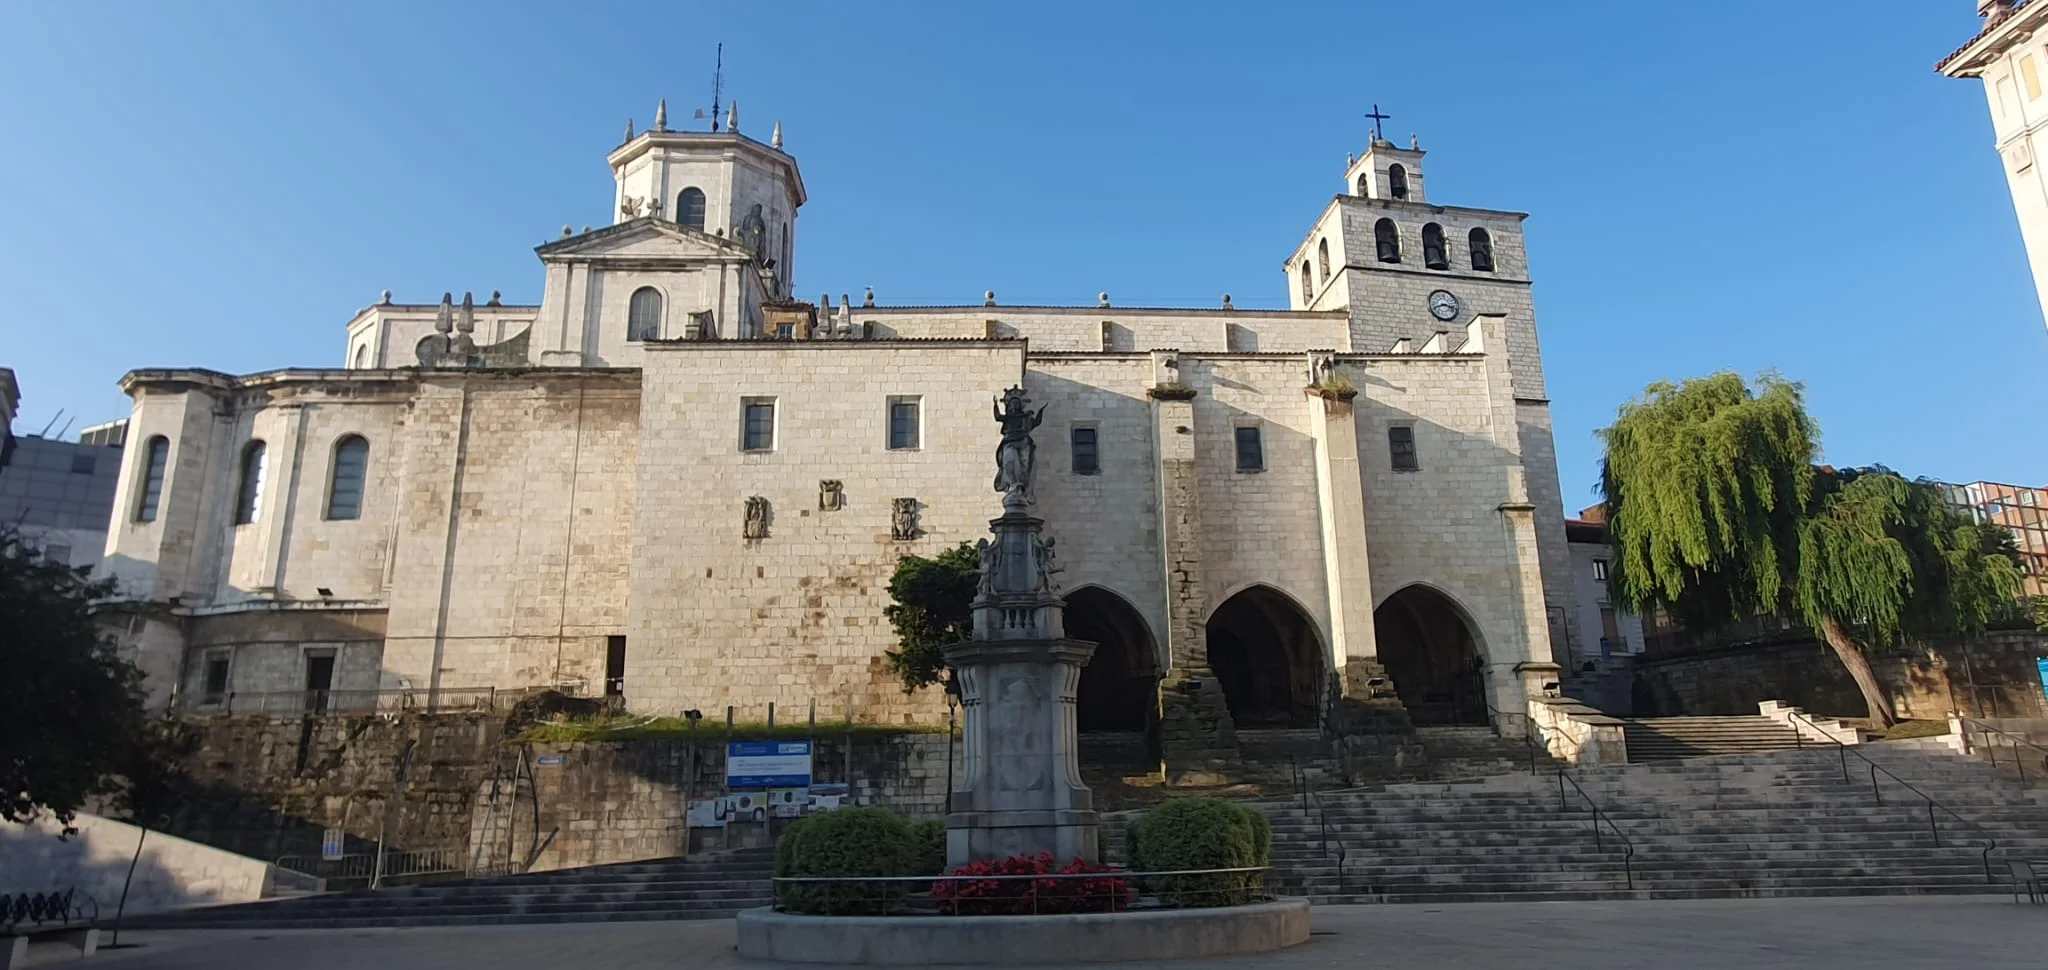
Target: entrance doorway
<point x="1268" y="659"/>
<point x="1119" y="687"/>
<point x="614" y="666"/>
<point x="1431" y="655"/>
<point x="319" y="679"/>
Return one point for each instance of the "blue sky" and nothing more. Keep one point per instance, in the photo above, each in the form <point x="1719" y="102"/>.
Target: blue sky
<point x="1746" y="184"/>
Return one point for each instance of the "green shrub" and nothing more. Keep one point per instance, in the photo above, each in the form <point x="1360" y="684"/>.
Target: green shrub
<point x="931" y="846"/>
<point x="868" y="841"/>
<point x="1202" y="833"/>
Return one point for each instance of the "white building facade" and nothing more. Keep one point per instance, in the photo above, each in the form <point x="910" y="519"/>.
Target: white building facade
<point x="2010" y="55"/>
<point x="672" y="478"/>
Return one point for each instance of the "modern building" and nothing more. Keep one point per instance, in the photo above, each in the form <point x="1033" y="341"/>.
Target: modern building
<point x="59" y="494"/>
<point x="1610" y="630"/>
<point x="2023" y="511"/>
<point x="672" y="475"/>
<point x="2010" y="55"/>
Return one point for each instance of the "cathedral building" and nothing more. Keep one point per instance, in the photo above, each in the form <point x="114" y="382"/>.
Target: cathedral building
<point x="674" y="480"/>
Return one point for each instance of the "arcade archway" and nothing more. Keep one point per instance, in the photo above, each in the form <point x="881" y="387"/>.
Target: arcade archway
<point x="1268" y="659"/>
<point x="1119" y="687"/>
<point x="1430" y="653"/>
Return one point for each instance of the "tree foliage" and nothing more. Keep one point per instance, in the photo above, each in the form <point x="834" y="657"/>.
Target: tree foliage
<point x="70" y="708"/>
<point x="932" y="609"/>
<point x="1717" y="512"/>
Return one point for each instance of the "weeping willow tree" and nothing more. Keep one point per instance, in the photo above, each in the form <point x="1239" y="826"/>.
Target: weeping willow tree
<point x="1717" y="513"/>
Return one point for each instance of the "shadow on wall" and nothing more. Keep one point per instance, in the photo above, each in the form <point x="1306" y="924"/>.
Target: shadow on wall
<point x="171" y="873"/>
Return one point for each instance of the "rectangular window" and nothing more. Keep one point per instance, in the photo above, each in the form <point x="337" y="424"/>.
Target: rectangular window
<point x="1251" y="452"/>
<point x="758" y="431"/>
<point x="785" y="331"/>
<point x="319" y="679"/>
<point x="1087" y="456"/>
<point x="1401" y="445"/>
<point x="216" y="689"/>
<point x="154" y="459"/>
<point x="1600" y="570"/>
<point x="81" y="463"/>
<point x="615" y="666"/>
<point x="904" y="433"/>
<point x="2029" y="78"/>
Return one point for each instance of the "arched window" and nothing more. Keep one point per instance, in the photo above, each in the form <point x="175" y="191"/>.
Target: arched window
<point x="351" y="469"/>
<point x="690" y="207"/>
<point x="1308" y="285"/>
<point x="1364" y="184"/>
<point x="643" y="315"/>
<point x="1387" y="240"/>
<point x="1397" y="182"/>
<point x="1323" y="258"/>
<point x="249" y="491"/>
<point x="1482" y="250"/>
<point x="1433" y="255"/>
<point x="155" y="459"/>
<point x="362" y="356"/>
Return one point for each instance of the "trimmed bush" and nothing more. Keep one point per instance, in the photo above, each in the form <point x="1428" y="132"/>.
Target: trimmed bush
<point x="867" y="841"/>
<point x="1202" y="833"/>
<point x="931" y="846"/>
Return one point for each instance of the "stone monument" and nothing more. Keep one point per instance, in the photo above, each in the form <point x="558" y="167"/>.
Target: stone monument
<point x="1020" y="790"/>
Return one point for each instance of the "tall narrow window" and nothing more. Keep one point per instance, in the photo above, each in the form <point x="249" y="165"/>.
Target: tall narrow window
<point x="1600" y="570"/>
<point x="2029" y="77"/>
<point x="1401" y="445"/>
<point x="615" y="666"/>
<point x="351" y="469"/>
<point x="1308" y="285"/>
<point x="1251" y="452"/>
<point x="249" y="492"/>
<point x="362" y="356"/>
<point x="214" y="683"/>
<point x="1433" y="254"/>
<point x="903" y="424"/>
<point x="690" y="207"/>
<point x="1364" y="183"/>
<point x="643" y="315"/>
<point x="1323" y="259"/>
<point x="1087" y="453"/>
<point x="1397" y="182"/>
<point x="1387" y="241"/>
<point x="1481" y="244"/>
<point x="154" y="459"/>
<point x="757" y="430"/>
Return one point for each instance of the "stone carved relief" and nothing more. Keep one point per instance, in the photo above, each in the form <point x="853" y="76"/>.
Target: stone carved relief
<point x="629" y="207"/>
<point x="903" y="520"/>
<point x="1322" y="368"/>
<point x="986" y="581"/>
<point x="831" y="495"/>
<point x="756" y="526"/>
<point x="1042" y="554"/>
<point x="450" y="345"/>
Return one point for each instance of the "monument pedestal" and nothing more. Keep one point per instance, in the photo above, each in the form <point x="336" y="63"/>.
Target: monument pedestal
<point x="1020" y="792"/>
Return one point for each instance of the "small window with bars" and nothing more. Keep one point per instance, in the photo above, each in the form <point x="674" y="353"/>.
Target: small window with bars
<point x="1401" y="445"/>
<point x="1251" y="449"/>
<point x="1087" y="450"/>
<point x="1600" y="570"/>
<point x="905" y="425"/>
<point x="757" y="429"/>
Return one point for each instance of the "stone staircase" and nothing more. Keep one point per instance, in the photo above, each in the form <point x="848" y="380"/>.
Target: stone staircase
<point x="1782" y="823"/>
<point x="1273" y="755"/>
<point x="1476" y="752"/>
<point x="700" y="887"/>
<point x="1672" y="738"/>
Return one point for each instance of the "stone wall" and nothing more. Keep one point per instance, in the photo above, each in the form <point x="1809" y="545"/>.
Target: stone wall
<point x="170" y="872"/>
<point x="1923" y="682"/>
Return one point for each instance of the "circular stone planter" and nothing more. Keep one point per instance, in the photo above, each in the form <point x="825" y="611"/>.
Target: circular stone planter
<point x="1154" y="934"/>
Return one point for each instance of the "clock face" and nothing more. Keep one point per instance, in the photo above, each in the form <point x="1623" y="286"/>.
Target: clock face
<point x="1443" y="306"/>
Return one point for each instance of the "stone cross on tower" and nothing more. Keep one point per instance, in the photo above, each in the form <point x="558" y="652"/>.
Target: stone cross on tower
<point x="1020" y="790"/>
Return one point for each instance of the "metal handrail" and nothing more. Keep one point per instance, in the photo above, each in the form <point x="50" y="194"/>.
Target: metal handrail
<point x="2018" y="763"/>
<point x="1628" y="848"/>
<point x="949" y="877"/>
<point x="1933" y="830"/>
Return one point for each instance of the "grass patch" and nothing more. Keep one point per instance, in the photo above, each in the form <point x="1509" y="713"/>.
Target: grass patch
<point x="1915" y="729"/>
<point x="625" y="727"/>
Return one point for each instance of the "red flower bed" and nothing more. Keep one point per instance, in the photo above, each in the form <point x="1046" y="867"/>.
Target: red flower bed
<point x="985" y="897"/>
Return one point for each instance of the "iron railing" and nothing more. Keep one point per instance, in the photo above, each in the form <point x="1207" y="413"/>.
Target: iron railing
<point x="1030" y="893"/>
<point x="50" y="910"/>
<point x="1877" y="792"/>
<point x="1496" y="715"/>
<point x="2012" y="742"/>
<point x="1628" y="848"/>
<point x="355" y="868"/>
<point x="295" y="702"/>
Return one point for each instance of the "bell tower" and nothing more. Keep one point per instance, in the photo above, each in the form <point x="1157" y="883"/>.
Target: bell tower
<point x="718" y="182"/>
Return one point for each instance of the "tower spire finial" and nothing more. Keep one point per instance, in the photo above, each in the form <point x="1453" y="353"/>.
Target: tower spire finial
<point x="629" y="130"/>
<point x="661" y="115"/>
<point x="775" y="140"/>
<point x="1378" y="135"/>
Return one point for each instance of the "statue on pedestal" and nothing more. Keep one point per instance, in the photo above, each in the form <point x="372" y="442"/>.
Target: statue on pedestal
<point x="1017" y="455"/>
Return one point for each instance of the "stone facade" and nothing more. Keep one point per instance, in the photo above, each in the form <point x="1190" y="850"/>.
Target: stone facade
<point x="696" y="490"/>
<point x="1995" y="675"/>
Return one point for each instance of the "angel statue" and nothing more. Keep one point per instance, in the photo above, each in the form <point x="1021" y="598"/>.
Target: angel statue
<point x="1017" y="455"/>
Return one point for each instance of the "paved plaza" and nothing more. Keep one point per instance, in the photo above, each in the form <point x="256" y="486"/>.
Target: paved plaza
<point x="1898" y="933"/>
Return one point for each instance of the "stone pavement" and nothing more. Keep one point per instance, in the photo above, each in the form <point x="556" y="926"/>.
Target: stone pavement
<point x="1898" y="933"/>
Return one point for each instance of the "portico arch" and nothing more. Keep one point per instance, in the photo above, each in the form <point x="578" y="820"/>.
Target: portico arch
<point x="1119" y="687"/>
<point x="1432" y="653"/>
<point x="1268" y="658"/>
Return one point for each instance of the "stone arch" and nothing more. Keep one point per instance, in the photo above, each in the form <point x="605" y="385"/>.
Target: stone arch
<point x="1434" y="654"/>
<point x="1119" y="687"/>
<point x="1267" y="655"/>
